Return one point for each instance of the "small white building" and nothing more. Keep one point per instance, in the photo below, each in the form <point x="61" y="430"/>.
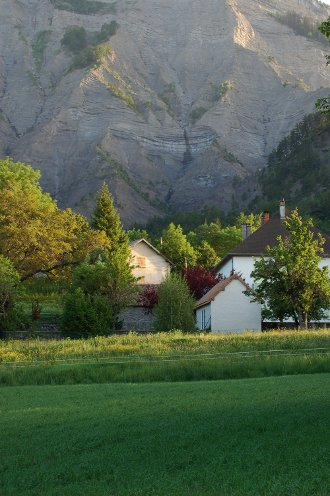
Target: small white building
<point x="149" y="265"/>
<point x="225" y="308"/>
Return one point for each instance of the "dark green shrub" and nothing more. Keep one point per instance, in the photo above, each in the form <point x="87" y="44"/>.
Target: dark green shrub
<point x="86" y="315"/>
<point x="75" y="39"/>
<point x="107" y="31"/>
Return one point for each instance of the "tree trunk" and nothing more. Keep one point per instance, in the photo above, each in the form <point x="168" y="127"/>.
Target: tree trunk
<point x="303" y="320"/>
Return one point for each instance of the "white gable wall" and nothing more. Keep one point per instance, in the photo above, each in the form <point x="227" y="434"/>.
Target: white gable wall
<point x="232" y="311"/>
<point x="149" y="266"/>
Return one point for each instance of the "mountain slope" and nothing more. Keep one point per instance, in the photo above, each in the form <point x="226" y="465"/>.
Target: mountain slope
<point x="192" y="94"/>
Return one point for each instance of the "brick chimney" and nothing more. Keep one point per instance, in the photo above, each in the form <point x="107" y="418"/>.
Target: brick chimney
<point x="282" y="209"/>
<point x="265" y="217"/>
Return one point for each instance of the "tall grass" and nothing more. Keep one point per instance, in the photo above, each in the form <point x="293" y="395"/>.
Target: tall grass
<point x="164" y="357"/>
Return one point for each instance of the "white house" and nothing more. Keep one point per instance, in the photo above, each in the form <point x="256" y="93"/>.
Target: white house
<point x="150" y="266"/>
<point x="225" y="308"/>
<point x="241" y="259"/>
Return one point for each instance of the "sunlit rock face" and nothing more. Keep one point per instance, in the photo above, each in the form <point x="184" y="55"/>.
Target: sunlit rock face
<point x="187" y="105"/>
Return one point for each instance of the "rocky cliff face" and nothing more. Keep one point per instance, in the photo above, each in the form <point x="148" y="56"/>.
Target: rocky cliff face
<point x="190" y="101"/>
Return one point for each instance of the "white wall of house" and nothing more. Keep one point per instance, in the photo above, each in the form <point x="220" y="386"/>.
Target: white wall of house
<point x="240" y="265"/>
<point x="245" y="265"/>
<point x="230" y="311"/>
<point x="203" y="318"/>
<point x="149" y="266"/>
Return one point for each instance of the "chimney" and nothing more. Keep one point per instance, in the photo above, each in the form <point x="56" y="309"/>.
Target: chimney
<point x="282" y="209"/>
<point x="265" y="217"/>
<point x="246" y="231"/>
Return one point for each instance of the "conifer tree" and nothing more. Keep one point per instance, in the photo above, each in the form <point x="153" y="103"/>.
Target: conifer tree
<point x="107" y="219"/>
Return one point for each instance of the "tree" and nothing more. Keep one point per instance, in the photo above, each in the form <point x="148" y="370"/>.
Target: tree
<point x="9" y="290"/>
<point x="148" y="298"/>
<point x="206" y="255"/>
<point x="34" y="233"/>
<point x="177" y="248"/>
<point x="200" y="280"/>
<point x="107" y="219"/>
<point x="108" y="275"/>
<point x="175" y="305"/>
<point x="289" y="279"/>
<point x="323" y="104"/>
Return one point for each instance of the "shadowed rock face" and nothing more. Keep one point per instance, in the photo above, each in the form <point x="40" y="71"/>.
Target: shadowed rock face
<point x="194" y="93"/>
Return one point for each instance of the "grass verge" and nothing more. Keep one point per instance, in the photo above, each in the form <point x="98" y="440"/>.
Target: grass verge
<point x="253" y="437"/>
<point x="164" y="357"/>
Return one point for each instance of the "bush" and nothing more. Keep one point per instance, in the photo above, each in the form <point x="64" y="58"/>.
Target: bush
<point x="75" y="39"/>
<point x="175" y="305"/>
<point x="86" y="315"/>
<point x="107" y="31"/>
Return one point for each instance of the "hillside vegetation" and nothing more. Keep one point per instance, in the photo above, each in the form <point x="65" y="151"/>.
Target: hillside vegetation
<point x="299" y="170"/>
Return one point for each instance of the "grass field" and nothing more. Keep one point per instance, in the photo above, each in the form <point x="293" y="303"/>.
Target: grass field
<point x="255" y="437"/>
<point x="163" y="357"/>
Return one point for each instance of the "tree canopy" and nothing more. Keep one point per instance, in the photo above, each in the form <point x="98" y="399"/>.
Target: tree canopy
<point x="289" y="279"/>
<point x="35" y="234"/>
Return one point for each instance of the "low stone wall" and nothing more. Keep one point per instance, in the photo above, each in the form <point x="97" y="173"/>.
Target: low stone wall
<point x="134" y="319"/>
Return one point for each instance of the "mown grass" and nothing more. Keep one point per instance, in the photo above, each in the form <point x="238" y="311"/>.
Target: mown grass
<point x="163" y="357"/>
<point x="252" y="437"/>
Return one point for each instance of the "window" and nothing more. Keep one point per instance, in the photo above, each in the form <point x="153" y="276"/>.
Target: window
<point x="141" y="261"/>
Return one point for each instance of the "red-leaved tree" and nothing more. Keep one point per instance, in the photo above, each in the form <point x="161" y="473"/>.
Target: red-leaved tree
<point x="200" y="280"/>
<point x="148" y="298"/>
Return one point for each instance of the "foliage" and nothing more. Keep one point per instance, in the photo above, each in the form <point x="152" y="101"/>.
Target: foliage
<point x="177" y="248"/>
<point x="10" y="314"/>
<point x="134" y="233"/>
<point x="107" y="30"/>
<point x="175" y="305"/>
<point x="106" y="218"/>
<point x="323" y="104"/>
<point x="74" y="39"/>
<point x="85" y="7"/>
<point x="224" y="88"/>
<point x="289" y="279"/>
<point x="299" y="170"/>
<point x="197" y="113"/>
<point x="252" y="219"/>
<point x="86" y="315"/>
<point x="107" y="274"/>
<point x="222" y="240"/>
<point x="91" y="55"/>
<point x="34" y="233"/>
<point x="200" y="281"/>
<point x="148" y="298"/>
<point x="206" y="255"/>
<point x="39" y="45"/>
<point x="302" y="25"/>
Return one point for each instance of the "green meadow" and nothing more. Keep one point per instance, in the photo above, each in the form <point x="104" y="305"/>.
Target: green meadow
<point x="267" y="436"/>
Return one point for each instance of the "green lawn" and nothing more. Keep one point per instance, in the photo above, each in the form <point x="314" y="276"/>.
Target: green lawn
<point x="268" y="436"/>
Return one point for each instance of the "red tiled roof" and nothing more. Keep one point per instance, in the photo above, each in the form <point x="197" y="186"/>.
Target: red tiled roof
<point x="256" y="244"/>
<point x="221" y="286"/>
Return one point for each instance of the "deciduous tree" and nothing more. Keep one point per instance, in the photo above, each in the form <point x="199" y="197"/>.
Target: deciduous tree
<point x="289" y="279"/>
